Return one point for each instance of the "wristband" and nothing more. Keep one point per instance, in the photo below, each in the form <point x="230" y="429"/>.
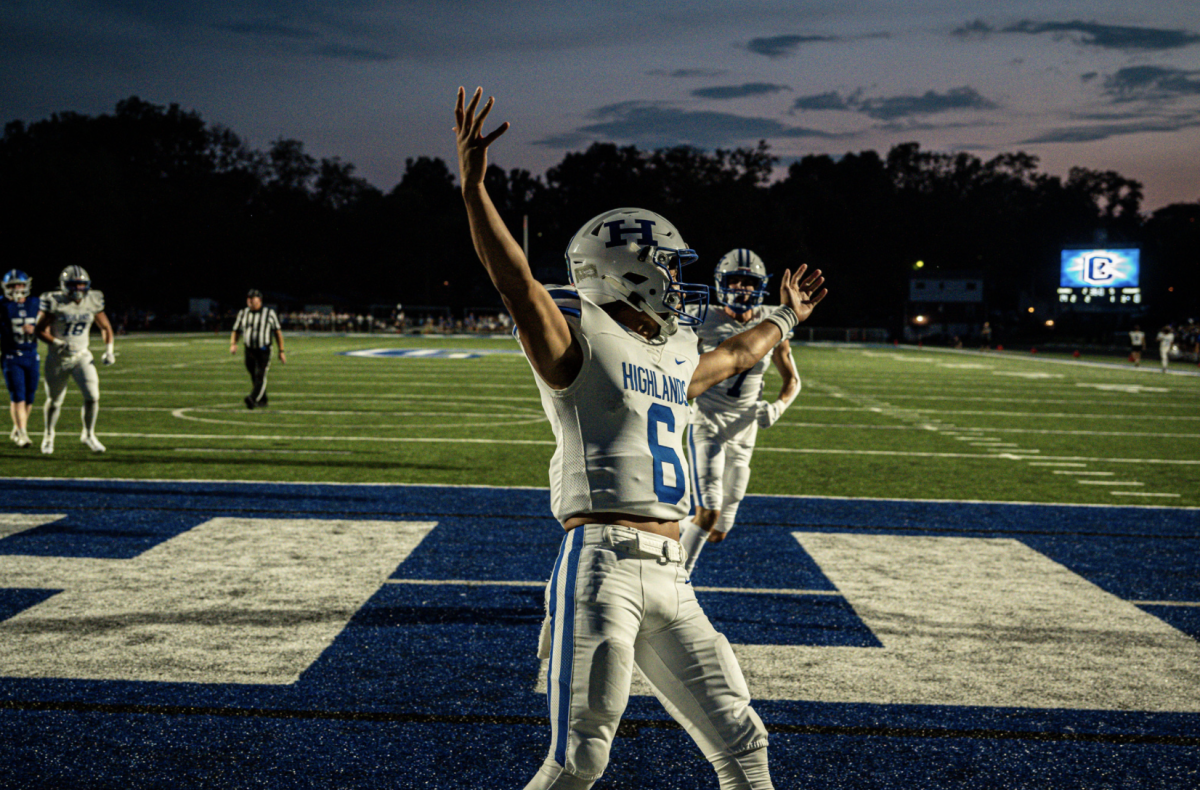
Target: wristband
<point x="785" y="318"/>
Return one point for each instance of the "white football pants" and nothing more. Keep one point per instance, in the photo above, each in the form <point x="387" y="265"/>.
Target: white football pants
<point x="60" y="369"/>
<point x="619" y="597"/>
<point x="720" y="459"/>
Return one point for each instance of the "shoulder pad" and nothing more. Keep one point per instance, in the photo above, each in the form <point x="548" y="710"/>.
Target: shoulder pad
<point x="566" y="298"/>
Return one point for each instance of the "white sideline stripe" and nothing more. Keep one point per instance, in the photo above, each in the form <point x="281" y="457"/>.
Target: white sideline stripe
<point x="1109" y="483"/>
<point x="1165" y="603"/>
<point x="1054" y="463"/>
<point x="550" y="443"/>
<point x="1143" y="493"/>
<point x="491" y="583"/>
<point x="1081" y="472"/>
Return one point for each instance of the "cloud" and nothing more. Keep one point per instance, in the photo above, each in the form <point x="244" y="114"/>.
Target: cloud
<point x="1109" y="36"/>
<point x="686" y="73"/>
<point x="739" y="91"/>
<point x="892" y="107"/>
<point x="654" y="125"/>
<point x="976" y="29"/>
<point x="1103" y="131"/>
<point x="821" y="101"/>
<point x="1151" y="83"/>
<point x="780" y="46"/>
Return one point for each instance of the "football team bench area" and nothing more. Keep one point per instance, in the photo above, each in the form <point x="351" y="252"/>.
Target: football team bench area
<point x="188" y="635"/>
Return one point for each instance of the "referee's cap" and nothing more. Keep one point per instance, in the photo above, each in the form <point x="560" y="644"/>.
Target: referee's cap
<point x="253" y="293"/>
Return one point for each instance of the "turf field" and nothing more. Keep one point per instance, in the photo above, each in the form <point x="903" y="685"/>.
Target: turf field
<point x="869" y="422"/>
<point x="955" y="571"/>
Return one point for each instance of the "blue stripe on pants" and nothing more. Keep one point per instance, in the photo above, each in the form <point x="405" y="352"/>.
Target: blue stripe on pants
<point x="564" y="612"/>
<point x="699" y="497"/>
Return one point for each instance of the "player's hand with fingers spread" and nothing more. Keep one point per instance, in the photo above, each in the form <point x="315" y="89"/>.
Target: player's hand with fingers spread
<point x="472" y="144"/>
<point x="802" y="295"/>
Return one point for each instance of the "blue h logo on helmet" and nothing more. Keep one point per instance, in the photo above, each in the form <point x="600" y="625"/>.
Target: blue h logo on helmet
<point x="617" y="233"/>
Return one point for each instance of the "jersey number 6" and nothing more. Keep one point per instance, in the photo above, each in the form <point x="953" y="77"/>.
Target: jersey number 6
<point x="663" y="455"/>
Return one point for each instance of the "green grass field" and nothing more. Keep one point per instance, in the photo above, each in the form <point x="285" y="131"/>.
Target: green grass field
<point x="870" y="422"/>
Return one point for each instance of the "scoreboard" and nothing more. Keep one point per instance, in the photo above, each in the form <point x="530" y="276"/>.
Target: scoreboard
<point x="1100" y="278"/>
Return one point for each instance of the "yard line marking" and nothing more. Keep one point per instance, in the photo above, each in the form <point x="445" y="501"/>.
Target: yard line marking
<point x="1143" y="493"/>
<point x="499" y="583"/>
<point x="550" y="443"/>
<point x="258" y="450"/>
<point x="1166" y="603"/>
<point x="1054" y="463"/>
<point x="1109" y="483"/>
<point x="1080" y="472"/>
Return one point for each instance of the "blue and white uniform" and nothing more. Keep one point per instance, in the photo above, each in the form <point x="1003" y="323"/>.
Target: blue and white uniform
<point x="619" y="596"/>
<point x="724" y="424"/>
<point x="18" y="348"/>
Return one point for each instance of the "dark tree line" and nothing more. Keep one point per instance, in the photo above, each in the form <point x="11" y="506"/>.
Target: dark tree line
<point x="161" y="206"/>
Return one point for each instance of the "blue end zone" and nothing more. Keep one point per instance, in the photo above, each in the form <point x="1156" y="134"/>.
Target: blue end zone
<point x="431" y="685"/>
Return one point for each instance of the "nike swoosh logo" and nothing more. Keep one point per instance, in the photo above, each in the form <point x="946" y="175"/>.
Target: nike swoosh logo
<point x="680" y="361"/>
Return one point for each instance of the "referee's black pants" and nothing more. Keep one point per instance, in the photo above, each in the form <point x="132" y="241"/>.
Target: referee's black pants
<point x="258" y="362"/>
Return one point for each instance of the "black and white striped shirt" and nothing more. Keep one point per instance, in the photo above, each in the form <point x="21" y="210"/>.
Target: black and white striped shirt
<point x="256" y="326"/>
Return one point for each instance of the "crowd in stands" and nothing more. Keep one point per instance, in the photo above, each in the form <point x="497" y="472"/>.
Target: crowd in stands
<point x="397" y="322"/>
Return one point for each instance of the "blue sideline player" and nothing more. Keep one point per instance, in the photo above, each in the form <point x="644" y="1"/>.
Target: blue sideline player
<point x="726" y="418"/>
<point x="64" y="323"/>
<point x="18" y="351"/>
<point x="615" y="361"/>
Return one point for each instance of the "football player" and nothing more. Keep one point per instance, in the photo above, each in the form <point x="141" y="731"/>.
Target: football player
<point x="64" y="322"/>
<point x="18" y="351"/>
<point x="615" y="362"/>
<point x="726" y="418"/>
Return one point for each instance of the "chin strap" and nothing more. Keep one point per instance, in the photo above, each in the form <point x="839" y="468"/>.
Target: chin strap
<point x="666" y="326"/>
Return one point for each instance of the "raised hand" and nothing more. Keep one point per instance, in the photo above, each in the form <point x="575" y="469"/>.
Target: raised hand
<point x="472" y="145"/>
<point x="802" y="295"/>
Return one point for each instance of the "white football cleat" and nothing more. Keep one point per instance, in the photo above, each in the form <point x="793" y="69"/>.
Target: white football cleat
<point x="14" y="434"/>
<point x="23" y="439"/>
<point x="48" y="444"/>
<point x="93" y="443"/>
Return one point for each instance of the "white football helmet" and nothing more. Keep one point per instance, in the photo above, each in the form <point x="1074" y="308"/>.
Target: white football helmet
<point x="635" y="256"/>
<point x="75" y="281"/>
<point x="741" y="263"/>
<point x="17" y="284"/>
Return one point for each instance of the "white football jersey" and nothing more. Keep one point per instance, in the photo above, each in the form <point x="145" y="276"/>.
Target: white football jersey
<point x="736" y="393"/>
<point x="72" y="320"/>
<point x="619" y="426"/>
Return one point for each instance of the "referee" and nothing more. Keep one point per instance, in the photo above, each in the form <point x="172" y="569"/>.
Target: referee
<point x="257" y="324"/>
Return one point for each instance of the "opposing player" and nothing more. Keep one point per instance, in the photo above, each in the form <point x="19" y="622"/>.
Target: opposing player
<point x="615" y="362"/>
<point x="1166" y="340"/>
<point x="18" y="351"/>
<point x="726" y="418"/>
<point x="65" y="322"/>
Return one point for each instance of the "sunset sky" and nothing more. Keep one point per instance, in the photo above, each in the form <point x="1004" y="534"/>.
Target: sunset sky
<point x="1104" y="85"/>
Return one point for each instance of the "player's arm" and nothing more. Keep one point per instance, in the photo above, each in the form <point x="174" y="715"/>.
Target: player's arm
<point x="797" y="298"/>
<point x="770" y="412"/>
<point x="45" y="320"/>
<point x="108" y="336"/>
<point x="279" y="345"/>
<point x="552" y="350"/>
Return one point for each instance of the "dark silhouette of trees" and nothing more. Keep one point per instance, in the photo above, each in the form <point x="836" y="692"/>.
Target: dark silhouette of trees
<point x="160" y="206"/>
